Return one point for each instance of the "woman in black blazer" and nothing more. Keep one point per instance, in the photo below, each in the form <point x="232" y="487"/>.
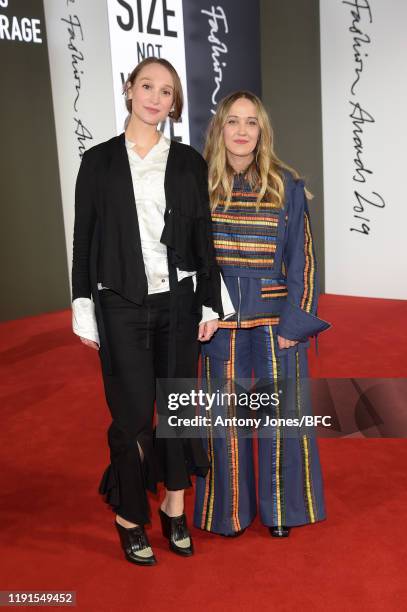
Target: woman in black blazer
<point x="142" y="243"/>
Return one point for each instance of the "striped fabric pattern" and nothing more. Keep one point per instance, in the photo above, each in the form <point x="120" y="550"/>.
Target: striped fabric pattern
<point x="232" y="441"/>
<point x="309" y="294"/>
<point x="277" y="455"/>
<point x="308" y="489"/>
<point x="249" y="323"/>
<point x="271" y="289"/>
<point x="243" y="236"/>
<point x="209" y="498"/>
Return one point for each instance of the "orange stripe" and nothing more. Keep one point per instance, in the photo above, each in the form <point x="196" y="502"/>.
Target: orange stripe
<point x="306" y="301"/>
<point x="243" y="246"/>
<point x="307" y="482"/>
<point x="212" y="474"/>
<point x="231" y="217"/>
<point x="207" y="480"/>
<point x="274" y="295"/>
<point x="306" y="266"/>
<point x="250" y="194"/>
<point x="205" y="503"/>
<point x="249" y="324"/>
<point x="248" y="223"/>
<point x="247" y="204"/>
<point x="247" y="260"/>
<point x="312" y="271"/>
<point x="235" y="452"/>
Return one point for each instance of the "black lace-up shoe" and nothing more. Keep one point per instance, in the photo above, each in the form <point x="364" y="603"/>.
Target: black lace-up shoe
<point x="175" y="529"/>
<point x="135" y="545"/>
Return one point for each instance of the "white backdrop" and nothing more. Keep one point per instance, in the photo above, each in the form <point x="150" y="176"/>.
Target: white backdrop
<point x="364" y="102"/>
<point x="81" y="80"/>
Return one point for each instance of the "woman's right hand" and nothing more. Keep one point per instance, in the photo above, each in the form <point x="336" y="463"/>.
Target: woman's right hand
<point x="90" y="343"/>
<point x="284" y="343"/>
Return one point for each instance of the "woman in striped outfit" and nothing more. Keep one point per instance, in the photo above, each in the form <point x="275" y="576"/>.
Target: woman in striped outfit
<point x="264" y="246"/>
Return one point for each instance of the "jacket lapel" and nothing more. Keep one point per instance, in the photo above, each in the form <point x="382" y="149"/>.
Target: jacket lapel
<point x="168" y="233"/>
<point x="120" y="193"/>
<point x="170" y="178"/>
<point x="120" y="181"/>
<point x="120" y="197"/>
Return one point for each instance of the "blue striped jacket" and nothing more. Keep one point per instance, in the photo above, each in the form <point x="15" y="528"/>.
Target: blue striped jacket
<point x="268" y="262"/>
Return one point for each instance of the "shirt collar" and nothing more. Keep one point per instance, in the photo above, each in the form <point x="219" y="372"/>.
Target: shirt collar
<point x="162" y="145"/>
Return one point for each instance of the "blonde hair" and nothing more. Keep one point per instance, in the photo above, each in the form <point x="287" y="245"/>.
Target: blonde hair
<point x="178" y="101"/>
<point x="265" y="173"/>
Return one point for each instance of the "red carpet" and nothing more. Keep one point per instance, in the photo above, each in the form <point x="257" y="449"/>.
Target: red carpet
<point x="58" y="535"/>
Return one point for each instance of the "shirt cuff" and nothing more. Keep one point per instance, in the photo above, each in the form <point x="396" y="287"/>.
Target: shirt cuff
<point x="84" y="319"/>
<point x="228" y="309"/>
<point x="208" y="314"/>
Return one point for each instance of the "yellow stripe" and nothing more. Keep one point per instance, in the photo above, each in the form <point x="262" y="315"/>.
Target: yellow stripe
<point x="305" y="447"/>
<point x="212" y="475"/>
<point x="307" y="478"/>
<point x="278" y="433"/>
<point x="247" y="260"/>
<point x="237" y="244"/>
<point x="312" y="273"/>
<point x="246" y="217"/>
<point x="234" y="444"/>
<point x="273" y="295"/>
<point x="244" y="222"/>
<point x="309" y="268"/>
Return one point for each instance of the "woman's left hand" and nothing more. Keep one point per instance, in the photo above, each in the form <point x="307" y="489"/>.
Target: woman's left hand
<point x="207" y="329"/>
<point x="284" y="343"/>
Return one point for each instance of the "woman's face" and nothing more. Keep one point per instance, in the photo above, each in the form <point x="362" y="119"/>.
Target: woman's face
<point x="152" y="94"/>
<point x="241" y="130"/>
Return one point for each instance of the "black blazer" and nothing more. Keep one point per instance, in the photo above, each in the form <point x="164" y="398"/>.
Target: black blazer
<point x="107" y="245"/>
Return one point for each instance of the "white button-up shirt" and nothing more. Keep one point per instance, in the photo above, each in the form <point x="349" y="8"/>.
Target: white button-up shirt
<point x="148" y="183"/>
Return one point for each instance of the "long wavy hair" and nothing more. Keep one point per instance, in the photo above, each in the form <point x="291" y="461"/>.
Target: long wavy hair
<point x="265" y="173"/>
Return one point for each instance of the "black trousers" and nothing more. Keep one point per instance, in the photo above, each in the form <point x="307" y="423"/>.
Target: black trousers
<point x="140" y="338"/>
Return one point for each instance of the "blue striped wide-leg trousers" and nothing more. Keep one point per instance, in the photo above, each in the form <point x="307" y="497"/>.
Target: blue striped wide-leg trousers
<point x="290" y="486"/>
